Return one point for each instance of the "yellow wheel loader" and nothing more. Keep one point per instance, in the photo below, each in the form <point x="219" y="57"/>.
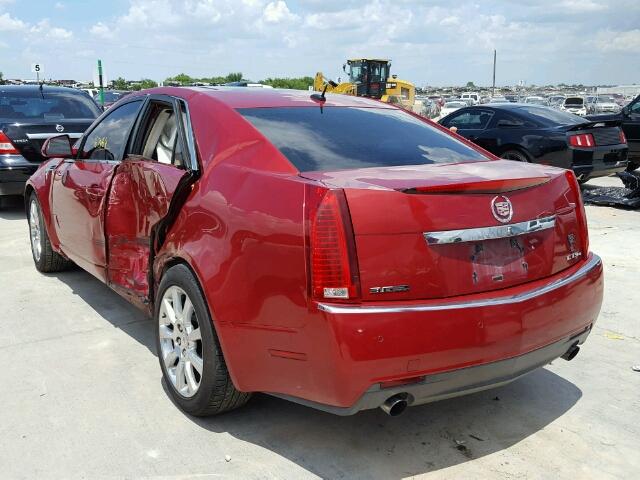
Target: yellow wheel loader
<point x="370" y="78"/>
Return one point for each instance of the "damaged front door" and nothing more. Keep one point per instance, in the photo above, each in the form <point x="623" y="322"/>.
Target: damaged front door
<point x="141" y="195"/>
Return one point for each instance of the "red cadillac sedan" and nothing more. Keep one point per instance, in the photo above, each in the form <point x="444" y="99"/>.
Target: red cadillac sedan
<point x="338" y="252"/>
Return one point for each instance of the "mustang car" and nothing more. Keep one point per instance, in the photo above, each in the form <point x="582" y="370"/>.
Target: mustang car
<point x="335" y="251"/>
<point x="540" y="134"/>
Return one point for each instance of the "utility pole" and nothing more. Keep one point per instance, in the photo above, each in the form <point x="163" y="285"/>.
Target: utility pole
<point x="101" y="83"/>
<point x="493" y="88"/>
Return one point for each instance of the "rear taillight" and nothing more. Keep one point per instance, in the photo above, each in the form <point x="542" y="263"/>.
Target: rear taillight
<point x="332" y="255"/>
<point x="623" y="138"/>
<point x="580" y="212"/>
<point x="582" y="140"/>
<point x="6" y="147"/>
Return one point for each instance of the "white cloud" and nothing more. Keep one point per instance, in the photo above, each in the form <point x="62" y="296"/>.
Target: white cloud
<point x="44" y="29"/>
<point x="8" y="23"/>
<point x="612" y="41"/>
<point x="277" y="12"/>
<point x="577" y="6"/>
<point x="101" y="30"/>
<point x="59" y="6"/>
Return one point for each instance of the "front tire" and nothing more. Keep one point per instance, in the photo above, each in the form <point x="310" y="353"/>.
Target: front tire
<point x="631" y="166"/>
<point x="192" y="363"/>
<point x="44" y="257"/>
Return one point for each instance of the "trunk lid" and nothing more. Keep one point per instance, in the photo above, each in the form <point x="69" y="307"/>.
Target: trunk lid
<point x="29" y="137"/>
<point x="397" y="212"/>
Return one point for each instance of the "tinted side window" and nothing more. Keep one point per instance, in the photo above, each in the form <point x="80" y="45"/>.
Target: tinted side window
<point x="476" y="120"/>
<point x="107" y="141"/>
<point x="339" y="138"/>
<point x="635" y="108"/>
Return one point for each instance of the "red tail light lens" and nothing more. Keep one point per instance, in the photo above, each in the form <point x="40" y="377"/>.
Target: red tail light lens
<point x="582" y="140"/>
<point x="334" y="270"/>
<point x="6" y="147"/>
<point x="580" y="212"/>
<point x="623" y="137"/>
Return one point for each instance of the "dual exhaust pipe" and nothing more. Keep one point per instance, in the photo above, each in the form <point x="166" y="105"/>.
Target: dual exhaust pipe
<point x="397" y="404"/>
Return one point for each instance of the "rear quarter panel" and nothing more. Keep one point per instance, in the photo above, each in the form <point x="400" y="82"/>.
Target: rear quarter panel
<point x="242" y="233"/>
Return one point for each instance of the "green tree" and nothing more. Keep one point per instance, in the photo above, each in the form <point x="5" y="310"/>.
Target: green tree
<point x="302" y="83"/>
<point x="471" y="85"/>
<point x="148" y="83"/>
<point x="120" y="84"/>
<point x="1" y="79"/>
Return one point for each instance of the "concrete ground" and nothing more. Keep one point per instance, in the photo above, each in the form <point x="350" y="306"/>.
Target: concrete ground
<point x="81" y="396"/>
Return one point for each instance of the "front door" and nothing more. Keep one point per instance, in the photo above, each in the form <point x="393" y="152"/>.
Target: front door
<point x="79" y="189"/>
<point x="141" y="196"/>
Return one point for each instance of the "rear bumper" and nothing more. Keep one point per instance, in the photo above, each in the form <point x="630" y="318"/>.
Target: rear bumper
<point x="15" y="170"/>
<point x="599" y="162"/>
<point x="463" y="381"/>
<point x="459" y="346"/>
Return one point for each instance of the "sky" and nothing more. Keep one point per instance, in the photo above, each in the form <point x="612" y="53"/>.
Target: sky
<point x="429" y="42"/>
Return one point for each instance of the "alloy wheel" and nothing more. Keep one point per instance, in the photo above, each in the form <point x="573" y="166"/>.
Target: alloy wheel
<point x="34" y="230"/>
<point x="180" y="341"/>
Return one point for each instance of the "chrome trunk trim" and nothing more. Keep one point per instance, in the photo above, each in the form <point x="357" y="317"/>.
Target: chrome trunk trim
<point x="489" y="233"/>
<point x="591" y="264"/>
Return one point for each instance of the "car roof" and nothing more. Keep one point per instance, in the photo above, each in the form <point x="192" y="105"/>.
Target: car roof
<point x="242" y="97"/>
<point x="36" y="88"/>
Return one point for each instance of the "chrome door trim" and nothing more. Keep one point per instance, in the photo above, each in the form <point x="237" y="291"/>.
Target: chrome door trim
<point x="489" y="233"/>
<point x="44" y="136"/>
<point x="591" y="264"/>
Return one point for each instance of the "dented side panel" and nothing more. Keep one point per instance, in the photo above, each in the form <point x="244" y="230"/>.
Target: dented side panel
<point x="140" y="196"/>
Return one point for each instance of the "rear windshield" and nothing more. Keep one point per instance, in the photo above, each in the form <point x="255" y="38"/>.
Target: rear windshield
<point x="33" y="105"/>
<point x="339" y="138"/>
<point x="550" y="116"/>
<point x="574" y="101"/>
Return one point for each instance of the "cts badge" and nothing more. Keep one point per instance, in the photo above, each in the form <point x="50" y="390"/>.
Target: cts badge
<point x="390" y="289"/>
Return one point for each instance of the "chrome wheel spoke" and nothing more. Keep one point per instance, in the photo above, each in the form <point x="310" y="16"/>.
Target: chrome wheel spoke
<point x="180" y="375"/>
<point x="187" y="311"/>
<point x="166" y="332"/>
<point x="168" y="311"/>
<point x="194" y="360"/>
<point x="195" y="335"/>
<point x="34" y="229"/>
<point x="171" y="357"/>
<point x="191" y="382"/>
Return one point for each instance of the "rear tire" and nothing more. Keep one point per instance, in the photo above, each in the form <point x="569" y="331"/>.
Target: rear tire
<point x="44" y="257"/>
<point x="516" y="155"/>
<point x="633" y="165"/>
<point x="192" y="363"/>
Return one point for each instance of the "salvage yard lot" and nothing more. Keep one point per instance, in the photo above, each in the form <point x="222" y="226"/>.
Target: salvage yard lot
<point x="82" y="395"/>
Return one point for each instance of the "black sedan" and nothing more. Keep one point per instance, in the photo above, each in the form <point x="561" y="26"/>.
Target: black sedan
<point x="29" y="114"/>
<point x="629" y="118"/>
<point x="539" y="134"/>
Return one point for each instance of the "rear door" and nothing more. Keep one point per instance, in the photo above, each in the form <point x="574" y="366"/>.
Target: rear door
<point x="145" y="194"/>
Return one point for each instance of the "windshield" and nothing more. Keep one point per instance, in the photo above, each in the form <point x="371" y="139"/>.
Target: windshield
<point x="111" y="96"/>
<point x="605" y="100"/>
<point x="32" y="105"/>
<point x="552" y="117"/>
<point x="455" y="104"/>
<point x="575" y="101"/>
<point x="535" y="100"/>
<point x="338" y="138"/>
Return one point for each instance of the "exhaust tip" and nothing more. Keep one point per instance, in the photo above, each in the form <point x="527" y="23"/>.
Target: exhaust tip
<point x="571" y="353"/>
<point x="395" y="405"/>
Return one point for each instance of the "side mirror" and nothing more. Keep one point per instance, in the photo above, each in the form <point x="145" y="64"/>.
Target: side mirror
<point x="344" y="67"/>
<point x="57" y="147"/>
<point x="626" y="110"/>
